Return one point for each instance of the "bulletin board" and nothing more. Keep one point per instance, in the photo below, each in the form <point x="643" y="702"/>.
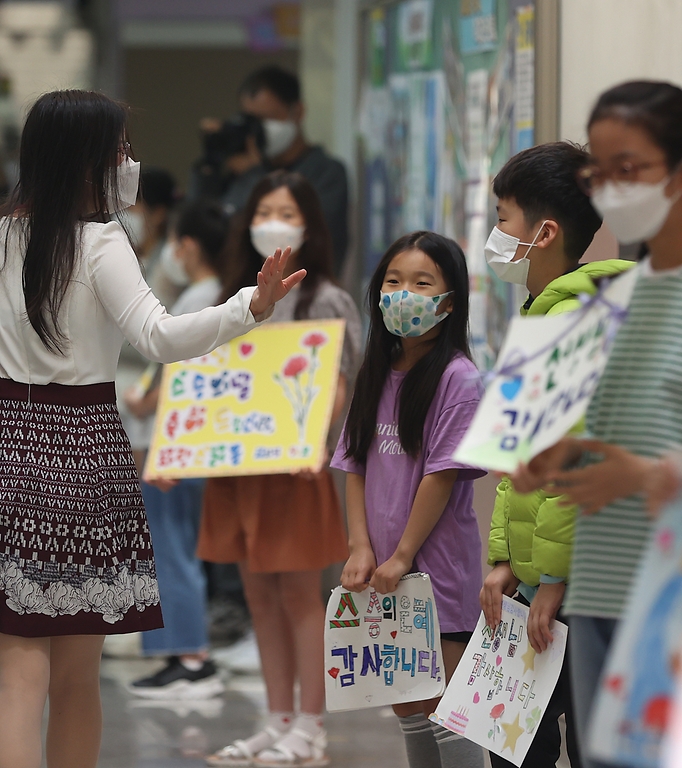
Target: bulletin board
<point x="447" y="95"/>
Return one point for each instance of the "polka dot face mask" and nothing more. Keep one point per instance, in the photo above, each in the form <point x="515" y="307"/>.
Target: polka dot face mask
<point x="408" y="314"/>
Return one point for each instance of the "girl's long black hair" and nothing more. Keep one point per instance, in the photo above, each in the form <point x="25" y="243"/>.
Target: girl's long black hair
<point x="69" y="152"/>
<point x="315" y="255"/>
<point x="420" y="383"/>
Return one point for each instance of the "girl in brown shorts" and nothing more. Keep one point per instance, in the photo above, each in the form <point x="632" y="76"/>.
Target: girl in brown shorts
<point x="283" y="530"/>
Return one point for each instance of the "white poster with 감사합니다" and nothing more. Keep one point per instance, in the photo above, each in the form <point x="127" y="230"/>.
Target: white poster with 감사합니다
<point x="383" y="649"/>
<point x="501" y="687"/>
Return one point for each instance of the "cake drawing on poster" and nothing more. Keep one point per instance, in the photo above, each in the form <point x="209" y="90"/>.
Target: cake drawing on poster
<point x="501" y="687"/>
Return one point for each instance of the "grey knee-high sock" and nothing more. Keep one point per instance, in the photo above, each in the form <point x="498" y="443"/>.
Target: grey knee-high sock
<point x="456" y="751"/>
<point x="420" y="744"/>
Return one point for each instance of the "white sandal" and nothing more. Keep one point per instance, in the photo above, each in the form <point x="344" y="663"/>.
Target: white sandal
<point x="239" y="753"/>
<point x="282" y="755"/>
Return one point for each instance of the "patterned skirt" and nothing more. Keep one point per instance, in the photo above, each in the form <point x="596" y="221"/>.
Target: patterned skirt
<point x="75" y="551"/>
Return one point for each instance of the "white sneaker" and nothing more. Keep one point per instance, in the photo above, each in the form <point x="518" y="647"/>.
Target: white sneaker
<point x="242" y="658"/>
<point x="123" y="646"/>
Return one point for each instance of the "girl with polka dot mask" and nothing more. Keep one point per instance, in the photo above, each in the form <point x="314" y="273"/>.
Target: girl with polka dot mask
<point x="409" y="503"/>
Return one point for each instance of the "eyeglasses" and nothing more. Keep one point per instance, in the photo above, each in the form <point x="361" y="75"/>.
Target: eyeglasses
<point x="593" y="177"/>
<point x="124" y="149"/>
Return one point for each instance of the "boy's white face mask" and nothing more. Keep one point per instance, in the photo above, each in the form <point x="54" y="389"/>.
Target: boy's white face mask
<point x="501" y="249"/>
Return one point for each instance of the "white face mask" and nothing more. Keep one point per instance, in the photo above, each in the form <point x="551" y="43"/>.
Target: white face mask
<point x="634" y="211"/>
<point x="274" y="234"/>
<point x="172" y="267"/>
<point x="134" y="224"/>
<point x="128" y="181"/>
<point x="501" y="249"/>
<point x="279" y="136"/>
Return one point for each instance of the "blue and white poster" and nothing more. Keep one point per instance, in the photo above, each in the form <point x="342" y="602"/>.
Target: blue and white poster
<point x="638" y="687"/>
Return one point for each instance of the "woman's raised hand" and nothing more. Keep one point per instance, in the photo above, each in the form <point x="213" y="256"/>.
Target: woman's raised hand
<point x="271" y="283"/>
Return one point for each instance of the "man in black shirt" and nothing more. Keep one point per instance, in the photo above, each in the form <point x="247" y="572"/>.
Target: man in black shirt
<point x="273" y="95"/>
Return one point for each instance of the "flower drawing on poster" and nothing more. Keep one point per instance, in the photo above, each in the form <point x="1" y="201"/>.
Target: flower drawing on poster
<point x="501" y="686"/>
<point x="257" y="405"/>
<point x="297" y="380"/>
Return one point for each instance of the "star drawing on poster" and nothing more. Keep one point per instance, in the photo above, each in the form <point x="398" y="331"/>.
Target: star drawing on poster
<point x="528" y="659"/>
<point x="512" y="733"/>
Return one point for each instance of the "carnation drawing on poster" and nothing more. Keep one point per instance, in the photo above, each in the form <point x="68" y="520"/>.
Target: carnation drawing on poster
<point x="501" y="687"/>
<point x="297" y="380"/>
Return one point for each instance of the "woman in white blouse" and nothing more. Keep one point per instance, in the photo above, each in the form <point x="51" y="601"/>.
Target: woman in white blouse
<point x="75" y="555"/>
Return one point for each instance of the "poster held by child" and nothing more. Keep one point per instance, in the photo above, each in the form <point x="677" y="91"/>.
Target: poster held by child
<point x="501" y="688"/>
<point x="383" y="649"/>
<point x="638" y="688"/>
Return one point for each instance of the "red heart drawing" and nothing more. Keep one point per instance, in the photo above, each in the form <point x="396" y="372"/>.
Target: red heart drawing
<point x="498" y="660"/>
<point x="334" y="672"/>
<point x="393" y="634"/>
<point x="246" y="349"/>
<point x="477" y="697"/>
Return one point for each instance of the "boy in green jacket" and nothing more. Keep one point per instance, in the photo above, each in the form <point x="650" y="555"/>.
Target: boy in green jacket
<point x="545" y="224"/>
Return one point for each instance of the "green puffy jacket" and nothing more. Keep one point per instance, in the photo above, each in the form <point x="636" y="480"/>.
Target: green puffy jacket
<point x="531" y="531"/>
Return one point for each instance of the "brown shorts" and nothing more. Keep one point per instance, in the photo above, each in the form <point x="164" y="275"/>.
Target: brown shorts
<point x="273" y="523"/>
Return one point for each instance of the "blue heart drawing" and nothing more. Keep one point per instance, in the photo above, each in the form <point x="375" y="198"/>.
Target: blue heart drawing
<point x="510" y="389"/>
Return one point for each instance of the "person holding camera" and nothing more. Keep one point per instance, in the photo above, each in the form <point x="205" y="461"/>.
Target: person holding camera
<point x="267" y="134"/>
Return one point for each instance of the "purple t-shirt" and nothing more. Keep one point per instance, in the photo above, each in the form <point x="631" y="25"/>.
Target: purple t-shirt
<point x="451" y="554"/>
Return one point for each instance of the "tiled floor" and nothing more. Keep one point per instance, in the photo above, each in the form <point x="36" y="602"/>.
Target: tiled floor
<point x="142" y="734"/>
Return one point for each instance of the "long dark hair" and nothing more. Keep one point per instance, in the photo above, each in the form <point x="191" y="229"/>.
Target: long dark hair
<point x="315" y="255"/>
<point x="69" y="153"/>
<point x="654" y="106"/>
<point x="420" y="383"/>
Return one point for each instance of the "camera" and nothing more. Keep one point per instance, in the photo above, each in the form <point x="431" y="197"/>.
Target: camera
<point x="231" y="138"/>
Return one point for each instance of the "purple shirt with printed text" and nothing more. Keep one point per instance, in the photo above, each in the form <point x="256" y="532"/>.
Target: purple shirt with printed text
<point x="451" y="555"/>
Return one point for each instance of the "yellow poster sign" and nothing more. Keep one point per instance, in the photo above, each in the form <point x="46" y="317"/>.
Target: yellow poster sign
<point x="258" y="405"/>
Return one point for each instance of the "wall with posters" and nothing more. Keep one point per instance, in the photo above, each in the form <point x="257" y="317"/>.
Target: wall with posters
<point x="447" y="95"/>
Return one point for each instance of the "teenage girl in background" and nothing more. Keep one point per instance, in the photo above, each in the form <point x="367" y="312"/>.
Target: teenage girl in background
<point x="409" y="502"/>
<point x="635" y="416"/>
<point x="283" y="530"/>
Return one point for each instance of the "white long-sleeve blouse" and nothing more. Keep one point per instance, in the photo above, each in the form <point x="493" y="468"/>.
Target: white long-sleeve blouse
<point x="108" y="300"/>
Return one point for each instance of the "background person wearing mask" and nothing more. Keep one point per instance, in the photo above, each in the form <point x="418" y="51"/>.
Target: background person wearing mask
<point x="174" y="509"/>
<point x="147" y="222"/>
<point x="274" y="96"/>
